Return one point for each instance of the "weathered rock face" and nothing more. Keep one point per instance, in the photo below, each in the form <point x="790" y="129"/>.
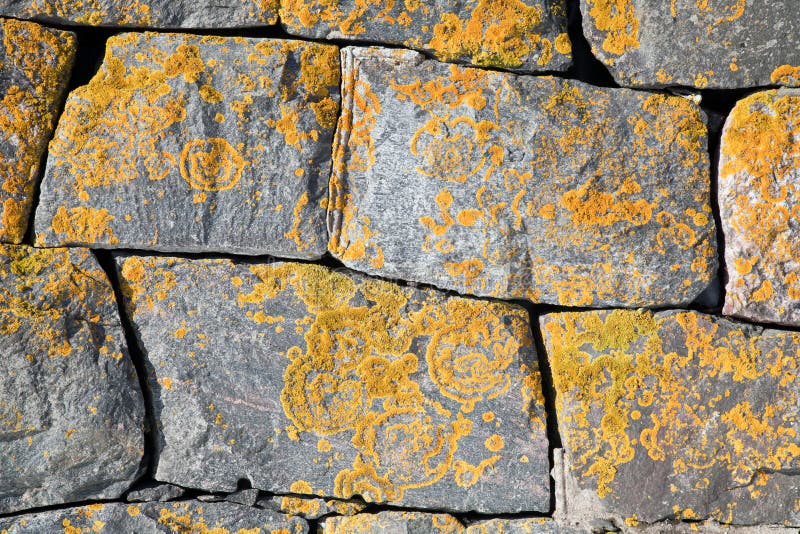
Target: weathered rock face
<point x="310" y="507"/>
<point x="34" y="68"/>
<point x="678" y="414"/>
<point x="759" y="198"/>
<point x="510" y="186"/>
<point x="155" y="492"/>
<point x="71" y="412"/>
<point x="189" y="143"/>
<point x="184" y="516"/>
<point x="310" y="381"/>
<point x="521" y="35"/>
<point x="394" y="523"/>
<point x="146" y="13"/>
<point x="521" y="526"/>
<point x="696" y="43"/>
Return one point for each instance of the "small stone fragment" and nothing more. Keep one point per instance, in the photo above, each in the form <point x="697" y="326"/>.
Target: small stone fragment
<point x="759" y="200"/>
<point x="309" y="381"/>
<point x="176" y="517"/>
<point x="196" y="143"/>
<point x="35" y="63"/>
<point x="677" y="414"/>
<point x="723" y="44"/>
<point x="246" y="497"/>
<point x="154" y="491"/>
<point x="520" y="189"/>
<point x="519" y="35"/>
<point x="71" y="412"/>
<point x="147" y="13"/>
<point x="537" y="525"/>
<point x="394" y="523"/>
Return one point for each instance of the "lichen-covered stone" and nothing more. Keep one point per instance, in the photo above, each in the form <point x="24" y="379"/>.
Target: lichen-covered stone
<point x="71" y="412"/>
<point x="310" y="381"/>
<point x="34" y="68"/>
<point x="678" y="414"/>
<point x="148" y="518"/>
<point x="696" y="43"/>
<point x="520" y="35"/>
<point x="394" y="523"/>
<point x="147" y="13"/>
<point x="536" y="525"/>
<point x="515" y="186"/>
<point x="310" y="507"/>
<point x="190" y="143"/>
<point x="759" y="200"/>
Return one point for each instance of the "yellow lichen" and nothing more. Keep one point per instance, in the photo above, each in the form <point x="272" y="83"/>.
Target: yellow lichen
<point x="786" y="75"/>
<point x="84" y="225"/>
<point x="618" y="20"/>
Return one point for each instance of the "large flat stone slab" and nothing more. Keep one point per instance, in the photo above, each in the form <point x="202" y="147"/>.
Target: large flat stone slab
<point x="394" y="523"/>
<point x="677" y="414"/>
<point x="185" y="516"/>
<point x="696" y="43"/>
<point x="515" y="186"/>
<point x="146" y="13"/>
<point x="71" y="412"/>
<point x="190" y="143"/>
<point x="35" y="63"/>
<point x="759" y="199"/>
<point x="310" y="381"/>
<point x="519" y="35"/>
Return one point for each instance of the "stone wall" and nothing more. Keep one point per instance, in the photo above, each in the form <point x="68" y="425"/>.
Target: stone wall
<point x="406" y="266"/>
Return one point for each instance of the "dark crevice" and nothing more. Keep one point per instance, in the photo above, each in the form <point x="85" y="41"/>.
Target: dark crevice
<point x="55" y="507"/>
<point x="585" y="66"/>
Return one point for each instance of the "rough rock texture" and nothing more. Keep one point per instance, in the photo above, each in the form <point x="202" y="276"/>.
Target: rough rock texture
<point x="34" y="68"/>
<point x="309" y="507"/>
<point x="394" y="523"/>
<point x="310" y="381"/>
<point x="759" y="200"/>
<point x="190" y="143"/>
<point x="177" y="517"/>
<point x="538" y="525"/>
<point x="520" y="35"/>
<point x="71" y="412"/>
<point x="148" y="13"/>
<point x="155" y="492"/>
<point x="515" y="186"/>
<point x="678" y="414"/>
<point x="697" y="43"/>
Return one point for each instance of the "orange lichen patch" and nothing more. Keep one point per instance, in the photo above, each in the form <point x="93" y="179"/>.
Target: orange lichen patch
<point x="591" y="207"/>
<point x="618" y="20"/>
<point x="210" y="95"/>
<point x="786" y="75"/>
<point x="395" y="522"/>
<point x="211" y="164"/>
<point x="452" y="150"/>
<point x="35" y="64"/>
<point x="760" y="160"/>
<point x="83" y="225"/>
<point x="467" y="475"/>
<point x="648" y="391"/>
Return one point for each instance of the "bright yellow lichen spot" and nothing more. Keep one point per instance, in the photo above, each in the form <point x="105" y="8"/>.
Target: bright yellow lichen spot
<point x="210" y="94"/>
<point x="786" y="75"/>
<point x="618" y="20"/>
<point x="83" y="225"/>
<point x="494" y="443"/>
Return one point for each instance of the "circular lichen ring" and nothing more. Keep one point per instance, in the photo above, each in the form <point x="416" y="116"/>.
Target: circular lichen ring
<point x="211" y="164"/>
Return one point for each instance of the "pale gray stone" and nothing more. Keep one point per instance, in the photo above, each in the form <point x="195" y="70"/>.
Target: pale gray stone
<point x="759" y="200"/>
<point x="522" y="35"/>
<point x="316" y="382"/>
<point x="696" y="43"/>
<point x="394" y="523"/>
<point x="537" y="525"/>
<point x="71" y="412"/>
<point x="147" y="13"/>
<point x="154" y="491"/>
<point x="196" y="143"/>
<point x="517" y="187"/>
<point x="149" y="518"/>
<point x="675" y="415"/>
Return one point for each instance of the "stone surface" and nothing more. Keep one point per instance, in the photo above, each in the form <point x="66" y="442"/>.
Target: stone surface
<point x="146" y="13"/>
<point x="519" y="185"/>
<point x="154" y="491"/>
<point x="394" y="523"/>
<point x="520" y="35"/>
<point x="537" y="525"/>
<point x="696" y="43"/>
<point x="34" y="69"/>
<point x="190" y="143"/>
<point x="759" y="200"/>
<point x="678" y="414"/>
<point x="310" y="381"/>
<point x="310" y="507"/>
<point x="71" y="412"/>
<point x="177" y="517"/>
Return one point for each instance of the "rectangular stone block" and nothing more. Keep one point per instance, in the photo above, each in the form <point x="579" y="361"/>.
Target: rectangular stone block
<point x="71" y="411"/>
<point x="723" y="44"/>
<point x="196" y="143"/>
<point x="310" y="381"/>
<point x="520" y="35"/>
<point x="35" y="63"/>
<point x="394" y="523"/>
<point x="677" y="414"/>
<point x="517" y="187"/>
<point x="186" y="516"/>
<point x="759" y="201"/>
<point x="146" y="13"/>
